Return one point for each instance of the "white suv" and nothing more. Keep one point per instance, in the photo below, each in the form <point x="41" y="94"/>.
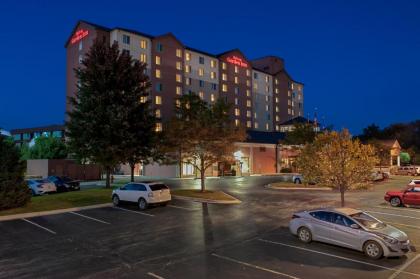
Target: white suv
<point x="142" y="193"/>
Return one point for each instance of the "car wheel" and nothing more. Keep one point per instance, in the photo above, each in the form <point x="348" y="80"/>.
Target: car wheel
<point x="304" y="235"/>
<point x="373" y="250"/>
<point x="395" y="201"/>
<point x="115" y="200"/>
<point x="297" y="181"/>
<point x="142" y="204"/>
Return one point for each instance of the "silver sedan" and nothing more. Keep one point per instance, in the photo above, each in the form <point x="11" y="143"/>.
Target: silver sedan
<point x="350" y="228"/>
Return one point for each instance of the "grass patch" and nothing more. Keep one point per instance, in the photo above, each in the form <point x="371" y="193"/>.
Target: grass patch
<point x="63" y="200"/>
<point x="211" y="195"/>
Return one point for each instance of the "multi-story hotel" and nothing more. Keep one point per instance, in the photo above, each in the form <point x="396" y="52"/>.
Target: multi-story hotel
<point x="263" y="95"/>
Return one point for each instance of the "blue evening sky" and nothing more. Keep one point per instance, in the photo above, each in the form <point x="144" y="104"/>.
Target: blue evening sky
<point x="359" y="60"/>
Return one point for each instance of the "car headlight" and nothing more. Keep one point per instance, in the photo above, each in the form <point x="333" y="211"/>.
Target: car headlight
<point x="388" y="239"/>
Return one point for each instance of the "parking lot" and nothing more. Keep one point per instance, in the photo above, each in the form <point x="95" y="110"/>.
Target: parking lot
<point x="194" y="240"/>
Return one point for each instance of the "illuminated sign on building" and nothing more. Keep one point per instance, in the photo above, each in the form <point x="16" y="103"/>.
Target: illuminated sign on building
<point x="236" y="61"/>
<point x="80" y="34"/>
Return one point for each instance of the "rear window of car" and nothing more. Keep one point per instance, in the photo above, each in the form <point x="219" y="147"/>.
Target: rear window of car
<point x="322" y="215"/>
<point x="157" y="187"/>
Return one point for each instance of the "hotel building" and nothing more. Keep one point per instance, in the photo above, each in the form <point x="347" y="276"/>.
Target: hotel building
<point x="263" y="95"/>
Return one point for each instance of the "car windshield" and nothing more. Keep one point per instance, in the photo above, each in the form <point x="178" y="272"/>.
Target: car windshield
<point x="157" y="187"/>
<point x="368" y="221"/>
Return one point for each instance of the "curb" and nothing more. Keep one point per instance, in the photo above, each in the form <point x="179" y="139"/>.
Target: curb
<point x="235" y="201"/>
<point x="298" y="188"/>
<point x="51" y="212"/>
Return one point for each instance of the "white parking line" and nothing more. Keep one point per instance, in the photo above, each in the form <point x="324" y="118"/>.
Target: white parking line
<point x="91" y="218"/>
<point x="180" y="207"/>
<point x="337" y="257"/>
<point x="137" y="212"/>
<point x="399" y="224"/>
<point x="399" y="209"/>
<point x="402" y="268"/>
<point x="392" y="214"/>
<point x="254" y="266"/>
<point x="39" y="226"/>
<point x="155" y="276"/>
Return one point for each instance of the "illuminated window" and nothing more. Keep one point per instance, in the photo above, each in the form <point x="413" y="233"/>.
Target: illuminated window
<point x="224" y="76"/>
<point x="201" y="94"/>
<point x="143" y="44"/>
<point x="248" y="124"/>
<point x="267" y="88"/>
<point x="224" y="66"/>
<point x="80" y="45"/>
<point x="178" y="53"/>
<point x="276" y="81"/>
<point x="277" y="99"/>
<point x="236" y="122"/>
<point x="224" y="88"/>
<point x="267" y="78"/>
<point x="255" y="86"/>
<point x="80" y="59"/>
<point x="143" y="99"/>
<point x="256" y="125"/>
<point x="299" y="96"/>
<point x="248" y="103"/>
<point x="212" y="75"/>
<point x="255" y="115"/>
<point x="158" y="127"/>
<point x="157" y="113"/>
<point x="157" y="73"/>
<point x="289" y="93"/>
<point x="143" y="58"/>
<point x="289" y="111"/>
<point x="187" y="56"/>
<point x="178" y="90"/>
<point x="277" y="109"/>
<point x="178" y="65"/>
<point x="178" y="103"/>
<point x="248" y="83"/>
<point x="236" y="80"/>
<point x="157" y="60"/>
<point x="267" y="127"/>
<point x="293" y="86"/>
<point x="289" y="102"/>
<point x="248" y="73"/>
<point x="158" y="100"/>
<point x="212" y="63"/>
<point x="293" y="112"/>
<point x="187" y="68"/>
<point x="236" y="101"/>
<point x="236" y="69"/>
<point x="277" y="90"/>
<point x="248" y="113"/>
<point x="200" y="72"/>
<point x="248" y="93"/>
<point x="267" y="107"/>
<point x="277" y="118"/>
<point x="188" y="81"/>
<point x="293" y="104"/>
<point x="236" y="90"/>
<point x="178" y="78"/>
<point x="267" y="98"/>
<point x="277" y="127"/>
<point x="212" y="97"/>
<point x="237" y="112"/>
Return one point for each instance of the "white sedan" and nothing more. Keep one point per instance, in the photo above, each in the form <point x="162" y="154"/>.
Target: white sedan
<point x="142" y="193"/>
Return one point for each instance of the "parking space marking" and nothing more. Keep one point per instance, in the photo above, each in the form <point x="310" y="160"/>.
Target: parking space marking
<point x="87" y="217"/>
<point x="336" y="256"/>
<point x="399" y="224"/>
<point x="39" y="226"/>
<point x="180" y="207"/>
<point x="154" y="275"/>
<point x="402" y="268"/>
<point x="254" y="266"/>
<point x="137" y="212"/>
<point x="400" y="209"/>
<point x="392" y="214"/>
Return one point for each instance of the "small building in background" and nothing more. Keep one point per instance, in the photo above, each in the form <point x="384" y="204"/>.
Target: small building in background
<point x="25" y="135"/>
<point x="394" y="148"/>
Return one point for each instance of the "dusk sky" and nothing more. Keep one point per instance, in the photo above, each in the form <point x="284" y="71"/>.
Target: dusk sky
<point x="359" y="60"/>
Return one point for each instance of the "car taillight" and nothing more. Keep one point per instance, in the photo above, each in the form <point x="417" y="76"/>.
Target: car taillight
<point x="150" y="194"/>
<point x="294" y="216"/>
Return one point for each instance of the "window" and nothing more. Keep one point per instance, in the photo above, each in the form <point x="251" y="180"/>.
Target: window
<point x="178" y="90"/>
<point x="248" y="83"/>
<point x="212" y="98"/>
<point x="143" y="44"/>
<point x="236" y="122"/>
<point x="248" y="103"/>
<point x="248" y="124"/>
<point x="214" y="86"/>
<point x="267" y="78"/>
<point x="342" y="220"/>
<point x="157" y="60"/>
<point x="201" y="59"/>
<point x="17" y="137"/>
<point x="289" y="93"/>
<point x="26" y="136"/>
<point x="224" y="76"/>
<point x="248" y="73"/>
<point x="159" y="87"/>
<point x="237" y="112"/>
<point x="157" y="113"/>
<point x="224" y="88"/>
<point x="158" y="127"/>
<point x="277" y="99"/>
<point x="178" y="78"/>
<point x="159" y="47"/>
<point x="178" y="53"/>
<point x="248" y="113"/>
<point x="158" y="100"/>
<point x="178" y="65"/>
<point x="143" y="58"/>
<point x="187" y="56"/>
<point x="187" y="68"/>
<point x="143" y="99"/>
<point x="157" y="73"/>
<point x="277" y="118"/>
<point x="224" y="66"/>
<point x="236" y="69"/>
<point x="255" y="75"/>
<point x="126" y="39"/>
<point x="80" y="59"/>
<point x="267" y="88"/>
<point x="267" y="98"/>
<point x="277" y="90"/>
<point x="322" y="215"/>
<point x="188" y="81"/>
<point x="57" y="134"/>
<point x="255" y="86"/>
<point x="256" y="125"/>
<point x="277" y="127"/>
<point x="267" y="107"/>
<point x="178" y="103"/>
<point x="201" y="82"/>
<point x="212" y="75"/>
<point x="289" y="111"/>
<point x="236" y="90"/>
<point x="213" y="63"/>
<point x="201" y="94"/>
<point x="236" y="101"/>
<point x="126" y="51"/>
<point x="267" y="127"/>
<point x="80" y="45"/>
<point x="200" y="72"/>
<point x="248" y="93"/>
<point x="276" y="81"/>
<point x="236" y="80"/>
<point x="277" y="109"/>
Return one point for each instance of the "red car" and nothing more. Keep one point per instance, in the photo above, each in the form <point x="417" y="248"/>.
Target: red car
<point x="408" y="197"/>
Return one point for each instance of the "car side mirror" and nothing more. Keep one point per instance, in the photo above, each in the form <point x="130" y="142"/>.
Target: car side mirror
<point x="355" y="226"/>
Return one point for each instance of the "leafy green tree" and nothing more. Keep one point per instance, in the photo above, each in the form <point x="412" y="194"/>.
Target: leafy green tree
<point x="336" y="160"/>
<point x="302" y="133"/>
<point x="405" y="158"/>
<point x="45" y="148"/>
<point x="13" y="189"/>
<point x="111" y="84"/>
<point x="207" y="133"/>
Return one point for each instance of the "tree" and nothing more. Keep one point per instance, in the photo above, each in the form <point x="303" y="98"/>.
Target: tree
<point x="13" y="189"/>
<point x="371" y="132"/>
<point x="338" y="161"/>
<point x="111" y="84"/>
<point x="45" y="148"/>
<point x="382" y="152"/>
<point x="302" y="133"/>
<point x="206" y="131"/>
<point x="405" y="158"/>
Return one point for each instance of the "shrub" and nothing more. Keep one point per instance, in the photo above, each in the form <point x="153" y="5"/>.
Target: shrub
<point x="286" y="170"/>
<point x="13" y="189"/>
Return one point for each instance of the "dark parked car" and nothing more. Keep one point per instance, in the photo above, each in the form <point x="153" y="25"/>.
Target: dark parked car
<point x="65" y="183"/>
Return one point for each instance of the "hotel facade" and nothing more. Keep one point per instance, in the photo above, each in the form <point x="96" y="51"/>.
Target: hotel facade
<point x="262" y="93"/>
